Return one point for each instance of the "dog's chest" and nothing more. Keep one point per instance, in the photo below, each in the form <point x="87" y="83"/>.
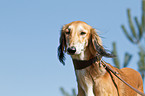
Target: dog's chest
<point x="85" y="82"/>
<point x="90" y="84"/>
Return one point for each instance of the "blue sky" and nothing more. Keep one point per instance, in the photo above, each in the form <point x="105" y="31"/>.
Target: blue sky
<point x="29" y="34"/>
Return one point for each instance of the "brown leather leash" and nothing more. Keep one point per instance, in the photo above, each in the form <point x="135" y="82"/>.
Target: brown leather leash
<point x="115" y="73"/>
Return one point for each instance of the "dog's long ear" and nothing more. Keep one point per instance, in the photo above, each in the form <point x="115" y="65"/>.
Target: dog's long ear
<point x="96" y="45"/>
<point x="61" y="47"/>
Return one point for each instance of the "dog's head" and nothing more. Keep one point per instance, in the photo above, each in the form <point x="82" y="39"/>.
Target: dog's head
<point x="76" y="37"/>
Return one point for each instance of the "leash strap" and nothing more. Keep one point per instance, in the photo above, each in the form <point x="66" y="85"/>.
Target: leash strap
<point x="115" y="73"/>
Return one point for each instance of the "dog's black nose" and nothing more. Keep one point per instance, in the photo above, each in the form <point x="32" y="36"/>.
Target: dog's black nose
<point x="71" y="50"/>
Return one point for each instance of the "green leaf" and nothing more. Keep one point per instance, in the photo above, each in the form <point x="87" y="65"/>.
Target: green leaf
<point x="139" y="29"/>
<point x="74" y="92"/>
<point x="143" y="22"/>
<point x="115" y="59"/>
<point x="142" y="75"/>
<point x="141" y="62"/>
<point x="131" y="24"/>
<point x="127" y="59"/>
<point x="64" y="92"/>
<point x="143" y="15"/>
<point x="126" y="33"/>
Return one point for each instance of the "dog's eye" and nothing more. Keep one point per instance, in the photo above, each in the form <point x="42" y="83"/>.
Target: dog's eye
<point x="67" y="31"/>
<point x="83" y="33"/>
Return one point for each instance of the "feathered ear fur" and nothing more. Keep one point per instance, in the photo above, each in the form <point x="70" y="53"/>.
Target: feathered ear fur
<point x="61" y="47"/>
<point x="96" y="45"/>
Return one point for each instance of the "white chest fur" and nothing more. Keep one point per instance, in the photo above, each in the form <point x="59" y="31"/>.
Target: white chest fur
<point x="85" y="81"/>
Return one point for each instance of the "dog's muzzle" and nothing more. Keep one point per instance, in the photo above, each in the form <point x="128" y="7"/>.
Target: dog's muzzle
<point x="71" y="50"/>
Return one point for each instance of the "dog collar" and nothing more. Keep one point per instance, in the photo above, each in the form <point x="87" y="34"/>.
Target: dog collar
<point x="81" y="64"/>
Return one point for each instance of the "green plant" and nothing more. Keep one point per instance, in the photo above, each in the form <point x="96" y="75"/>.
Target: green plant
<point x="66" y="93"/>
<point x="116" y="61"/>
<point x="137" y="37"/>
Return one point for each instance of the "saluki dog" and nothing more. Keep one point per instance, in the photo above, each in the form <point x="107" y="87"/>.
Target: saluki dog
<point x="84" y="45"/>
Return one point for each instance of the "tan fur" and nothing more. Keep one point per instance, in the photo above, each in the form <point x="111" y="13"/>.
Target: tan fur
<point x="95" y="80"/>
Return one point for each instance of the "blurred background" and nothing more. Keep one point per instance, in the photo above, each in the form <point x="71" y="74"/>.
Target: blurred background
<point x="29" y="37"/>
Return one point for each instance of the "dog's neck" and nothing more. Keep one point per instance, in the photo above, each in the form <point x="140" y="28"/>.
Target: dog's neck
<point x="93" y="72"/>
<point x="85" y="59"/>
